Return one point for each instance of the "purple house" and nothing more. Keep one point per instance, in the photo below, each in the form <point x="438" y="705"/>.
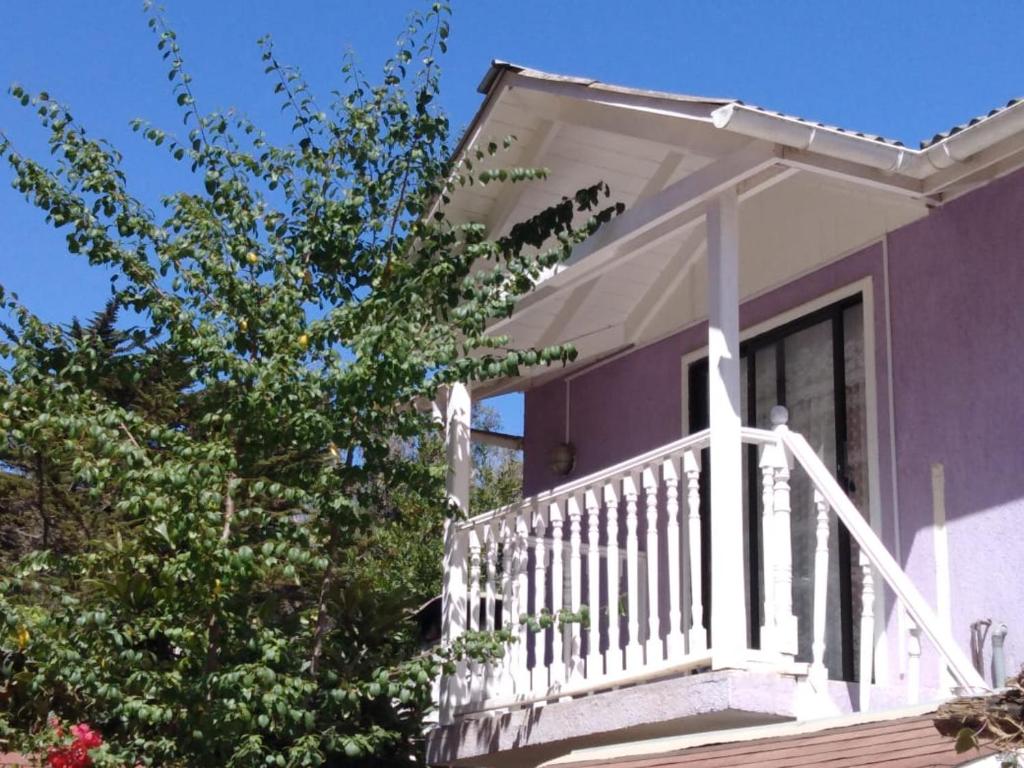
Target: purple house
<point x="781" y="490"/>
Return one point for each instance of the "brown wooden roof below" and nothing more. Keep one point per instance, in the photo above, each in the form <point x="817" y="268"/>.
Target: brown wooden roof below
<point x="909" y="742"/>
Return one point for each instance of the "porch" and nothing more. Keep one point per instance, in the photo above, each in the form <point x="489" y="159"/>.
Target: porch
<point x="612" y="567"/>
<point x="687" y="587"/>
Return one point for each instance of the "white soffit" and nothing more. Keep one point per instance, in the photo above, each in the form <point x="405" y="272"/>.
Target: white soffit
<point x="813" y="194"/>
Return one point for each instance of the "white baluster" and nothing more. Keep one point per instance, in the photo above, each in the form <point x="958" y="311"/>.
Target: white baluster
<point x="476" y="670"/>
<point x="698" y="639"/>
<point x="522" y="587"/>
<point x="785" y="635"/>
<point x="595" y="667"/>
<point x="634" y="651"/>
<point x="571" y="632"/>
<point x="491" y="597"/>
<point x="818" y="673"/>
<point x="653" y="650"/>
<point x="509" y="620"/>
<point x="867" y="631"/>
<point x="613" y="656"/>
<point x="557" y="676"/>
<point x="670" y="476"/>
<point x="768" y="545"/>
<point x="913" y="662"/>
<point x="540" y="605"/>
<point x="490" y="586"/>
<point x="474" y="579"/>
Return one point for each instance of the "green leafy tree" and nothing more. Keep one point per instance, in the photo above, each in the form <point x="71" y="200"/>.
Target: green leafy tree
<point x="234" y="455"/>
<point x="497" y="472"/>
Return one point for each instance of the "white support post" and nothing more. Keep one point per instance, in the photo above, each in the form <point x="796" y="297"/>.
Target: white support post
<point x="670" y="475"/>
<point x="454" y="587"/>
<point x="634" y="651"/>
<point x="728" y="616"/>
<point x="653" y="647"/>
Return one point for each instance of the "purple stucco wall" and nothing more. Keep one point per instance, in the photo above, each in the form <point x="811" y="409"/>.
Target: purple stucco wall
<point x="634" y="403"/>
<point x="957" y="289"/>
<point x="956" y="282"/>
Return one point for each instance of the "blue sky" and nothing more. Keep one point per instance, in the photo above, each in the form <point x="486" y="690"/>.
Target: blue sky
<point x="902" y="69"/>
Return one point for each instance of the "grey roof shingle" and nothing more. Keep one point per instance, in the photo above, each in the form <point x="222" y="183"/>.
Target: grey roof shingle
<point x="599" y="85"/>
<point x="962" y="126"/>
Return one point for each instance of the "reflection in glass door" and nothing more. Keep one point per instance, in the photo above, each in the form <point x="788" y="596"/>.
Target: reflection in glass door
<point x="815" y="367"/>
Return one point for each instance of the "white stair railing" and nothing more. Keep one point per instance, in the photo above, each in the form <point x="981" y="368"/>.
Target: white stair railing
<point x="829" y="496"/>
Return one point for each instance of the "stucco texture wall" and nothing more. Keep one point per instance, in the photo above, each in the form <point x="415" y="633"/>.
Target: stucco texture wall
<point x="957" y="291"/>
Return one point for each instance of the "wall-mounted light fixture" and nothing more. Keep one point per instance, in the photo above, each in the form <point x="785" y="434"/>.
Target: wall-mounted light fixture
<point x="562" y="458"/>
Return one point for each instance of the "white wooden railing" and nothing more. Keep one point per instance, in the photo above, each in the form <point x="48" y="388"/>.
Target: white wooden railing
<point x="624" y="544"/>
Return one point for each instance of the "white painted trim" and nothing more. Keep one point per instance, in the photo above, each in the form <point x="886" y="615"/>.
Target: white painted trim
<point x="901" y="628"/>
<point x="875" y="509"/>
<point x="940" y="544"/>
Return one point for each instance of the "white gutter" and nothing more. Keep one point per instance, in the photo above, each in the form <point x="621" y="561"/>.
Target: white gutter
<point x="915" y="163"/>
<point x="973" y="139"/>
<point x="791" y="132"/>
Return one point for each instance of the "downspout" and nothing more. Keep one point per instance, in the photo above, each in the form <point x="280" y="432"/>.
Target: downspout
<point x="999" y="657"/>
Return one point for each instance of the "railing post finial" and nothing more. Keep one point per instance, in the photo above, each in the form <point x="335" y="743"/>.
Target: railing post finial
<point x="779" y="416"/>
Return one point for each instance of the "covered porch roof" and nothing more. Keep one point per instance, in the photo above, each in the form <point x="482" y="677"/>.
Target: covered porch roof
<point x="808" y="194"/>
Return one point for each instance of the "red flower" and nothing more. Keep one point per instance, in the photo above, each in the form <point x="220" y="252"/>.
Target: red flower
<point x="86" y="736"/>
<point x="75" y="754"/>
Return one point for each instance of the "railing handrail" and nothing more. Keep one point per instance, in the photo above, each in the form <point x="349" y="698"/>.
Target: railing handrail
<point x="689" y="442"/>
<point x="871" y="545"/>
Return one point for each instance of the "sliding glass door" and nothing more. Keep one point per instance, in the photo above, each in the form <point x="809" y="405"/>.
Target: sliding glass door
<point x="815" y="367"/>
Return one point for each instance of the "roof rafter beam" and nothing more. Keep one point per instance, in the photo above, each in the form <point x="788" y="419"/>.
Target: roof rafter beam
<point x="806" y="160"/>
<point x="653" y="220"/>
<point x="509" y="198"/>
<point x="976" y="164"/>
<point x="666" y="284"/>
<point x="566" y="312"/>
<point x="660" y="178"/>
<point x="579" y="295"/>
